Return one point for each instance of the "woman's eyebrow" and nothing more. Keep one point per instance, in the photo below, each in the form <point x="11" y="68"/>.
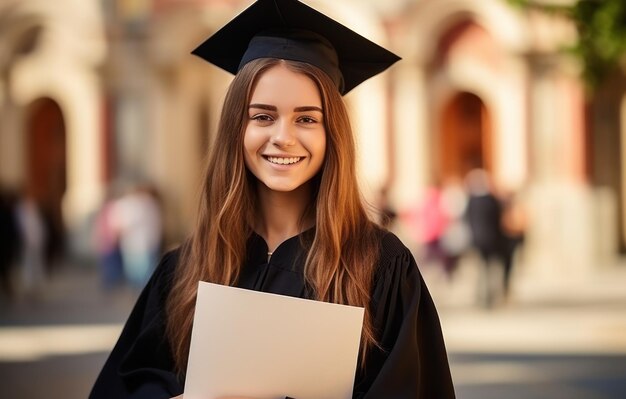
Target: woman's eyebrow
<point x="308" y="108"/>
<point x="264" y="106"/>
<point x="305" y="108"/>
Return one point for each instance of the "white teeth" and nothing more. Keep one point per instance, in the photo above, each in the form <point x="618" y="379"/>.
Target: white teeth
<point x="283" y="161"/>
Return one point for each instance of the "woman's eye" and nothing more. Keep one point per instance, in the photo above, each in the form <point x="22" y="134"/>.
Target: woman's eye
<point x="307" y="119"/>
<point x="261" y="118"/>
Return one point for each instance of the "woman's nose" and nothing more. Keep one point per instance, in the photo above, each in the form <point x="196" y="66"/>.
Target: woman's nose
<point x="284" y="135"/>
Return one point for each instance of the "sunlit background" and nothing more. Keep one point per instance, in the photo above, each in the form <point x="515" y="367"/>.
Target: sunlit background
<point x="100" y="97"/>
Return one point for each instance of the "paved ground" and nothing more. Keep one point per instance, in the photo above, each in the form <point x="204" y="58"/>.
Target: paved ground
<point x="545" y="343"/>
<point x="53" y="346"/>
<point x="559" y="340"/>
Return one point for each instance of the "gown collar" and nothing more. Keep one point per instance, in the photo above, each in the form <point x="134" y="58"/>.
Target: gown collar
<point x="290" y="254"/>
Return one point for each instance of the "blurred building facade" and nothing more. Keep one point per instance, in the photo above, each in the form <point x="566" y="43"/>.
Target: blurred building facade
<point x="94" y="93"/>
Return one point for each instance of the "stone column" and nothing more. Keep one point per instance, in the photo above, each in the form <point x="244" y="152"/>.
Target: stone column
<point x="412" y="149"/>
<point x="560" y="238"/>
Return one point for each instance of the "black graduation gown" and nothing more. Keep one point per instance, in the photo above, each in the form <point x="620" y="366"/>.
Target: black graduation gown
<point x="412" y="364"/>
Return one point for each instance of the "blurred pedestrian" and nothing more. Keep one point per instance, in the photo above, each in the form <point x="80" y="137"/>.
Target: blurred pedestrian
<point x="9" y="242"/>
<point x="32" y="232"/>
<point x="484" y="217"/>
<point x="456" y="237"/>
<point x="514" y="223"/>
<point x="433" y="221"/>
<point x="107" y="243"/>
<point x="54" y="251"/>
<point x="139" y="227"/>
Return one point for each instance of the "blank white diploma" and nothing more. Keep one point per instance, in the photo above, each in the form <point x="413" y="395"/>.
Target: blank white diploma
<point x="266" y="346"/>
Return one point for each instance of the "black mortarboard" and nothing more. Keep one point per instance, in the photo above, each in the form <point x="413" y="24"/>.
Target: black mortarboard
<point x="291" y="30"/>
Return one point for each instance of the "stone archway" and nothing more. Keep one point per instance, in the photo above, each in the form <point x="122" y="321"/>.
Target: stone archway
<point x="464" y="140"/>
<point x="463" y="100"/>
<point x="46" y="166"/>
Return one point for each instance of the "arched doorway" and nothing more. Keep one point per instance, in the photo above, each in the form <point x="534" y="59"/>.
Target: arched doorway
<point x="465" y="136"/>
<point x="46" y="167"/>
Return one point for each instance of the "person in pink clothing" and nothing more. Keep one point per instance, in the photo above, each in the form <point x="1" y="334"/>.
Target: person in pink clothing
<point x="431" y="223"/>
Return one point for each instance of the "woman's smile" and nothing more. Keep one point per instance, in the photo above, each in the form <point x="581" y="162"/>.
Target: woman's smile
<point x="283" y="160"/>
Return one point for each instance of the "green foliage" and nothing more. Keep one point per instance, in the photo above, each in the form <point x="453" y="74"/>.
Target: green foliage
<point x="519" y="3"/>
<point x="602" y="36"/>
<point x="601" y="26"/>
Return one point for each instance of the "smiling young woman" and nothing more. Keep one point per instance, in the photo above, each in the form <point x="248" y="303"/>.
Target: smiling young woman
<point x="281" y="212"/>
<point x="338" y="256"/>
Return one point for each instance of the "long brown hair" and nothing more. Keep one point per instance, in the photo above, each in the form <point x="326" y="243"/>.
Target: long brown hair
<point x="340" y="264"/>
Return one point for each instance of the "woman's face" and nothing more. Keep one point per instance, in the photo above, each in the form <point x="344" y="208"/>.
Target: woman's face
<point x="285" y="139"/>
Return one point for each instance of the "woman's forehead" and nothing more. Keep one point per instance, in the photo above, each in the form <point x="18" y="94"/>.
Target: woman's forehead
<point x="280" y="85"/>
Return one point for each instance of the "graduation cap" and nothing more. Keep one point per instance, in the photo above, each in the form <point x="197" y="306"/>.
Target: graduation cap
<point x="291" y="30"/>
